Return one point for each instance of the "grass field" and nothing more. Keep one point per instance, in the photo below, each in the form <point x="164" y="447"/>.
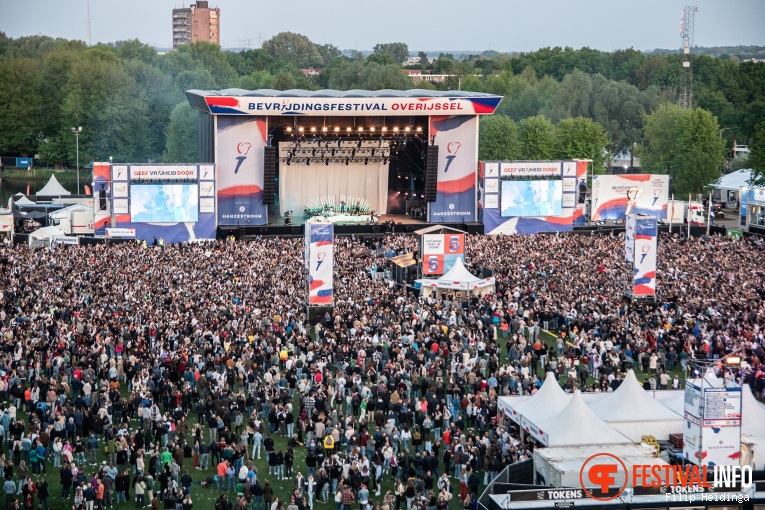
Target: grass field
<point x="204" y="499"/>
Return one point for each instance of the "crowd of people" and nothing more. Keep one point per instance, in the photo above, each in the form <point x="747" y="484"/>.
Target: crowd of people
<point x="186" y="360"/>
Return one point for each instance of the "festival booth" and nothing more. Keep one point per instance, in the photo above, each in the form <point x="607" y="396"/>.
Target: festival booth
<point x="575" y="425"/>
<point x="752" y="430"/>
<point x="44" y="236"/>
<point x="458" y="281"/>
<point x="548" y="401"/>
<point x="633" y="412"/>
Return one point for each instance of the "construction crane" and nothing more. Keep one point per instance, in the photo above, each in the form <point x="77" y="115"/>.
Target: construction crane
<point x="686" y="73"/>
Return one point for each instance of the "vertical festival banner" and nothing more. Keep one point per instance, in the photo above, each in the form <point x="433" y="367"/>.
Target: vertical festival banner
<point x="240" y="146"/>
<point x="320" y="263"/>
<point x="629" y="238"/>
<point x="457" y="140"/>
<point x="644" y="268"/>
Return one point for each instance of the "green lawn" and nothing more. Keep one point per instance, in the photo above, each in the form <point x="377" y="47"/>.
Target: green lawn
<point x="204" y="499"/>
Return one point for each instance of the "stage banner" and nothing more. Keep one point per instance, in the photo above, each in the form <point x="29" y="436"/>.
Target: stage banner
<point x="440" y="252"/>
<point x="457" y="140"/>
<point x="320" y="263"/>
<point x="615" y="196"/>
<point x="240" y="150"/>
<point x="629" y="238"/>
<point x="644" y="268"/>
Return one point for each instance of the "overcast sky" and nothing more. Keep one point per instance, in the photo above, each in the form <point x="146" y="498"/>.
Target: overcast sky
<point x="474" y="25"/>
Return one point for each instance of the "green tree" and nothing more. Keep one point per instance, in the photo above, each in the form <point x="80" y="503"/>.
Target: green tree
<point x="295" y="48"/>
<point x="380" y="58"/>
<point x="328" y="52"/>
<point x="581" y="138"/>
<point x="536" y="138"/>
<point x="498" y="138"/>
<point x="757" y="155"/>
<point x="685" y="144"/>
<point x="20" y="106"/>
<point x="182" y="135"/>
<point x="398" y="50"/>
<point x="572" y="98"/>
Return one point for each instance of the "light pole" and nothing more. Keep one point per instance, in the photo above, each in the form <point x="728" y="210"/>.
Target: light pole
<point x="77" y="132"/>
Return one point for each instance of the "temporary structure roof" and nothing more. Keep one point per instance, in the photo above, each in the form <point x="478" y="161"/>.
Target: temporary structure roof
<point x="42" y="236"/>
<point x="734" y="180"/>
<point x="575" y="425"/>
<point x="752" y="414"/>
<point x="53" y="188"/>
<point x="459" y="278"/>
<point x="548" y="401"/>
<point x="438" y="229"/>
<point x="633" y="412"/>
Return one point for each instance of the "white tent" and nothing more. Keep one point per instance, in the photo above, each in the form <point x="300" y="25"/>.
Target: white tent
<point x="634" y="413"/>
<point x="6" y="222"/>
<point x="22" y="201"/>
<point x="548" y="401"/>
<point x="752" y="430"/>
<point x="576" y="425"/>
<point x="458" y="278"/>
<point x="734" y="180"/>
<point x="53" y="188"/>
<point x="43" y="236"/>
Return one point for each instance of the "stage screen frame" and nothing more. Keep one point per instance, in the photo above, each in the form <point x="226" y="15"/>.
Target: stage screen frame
<point x="178" y="211"/>
<point x="538" y="210"/>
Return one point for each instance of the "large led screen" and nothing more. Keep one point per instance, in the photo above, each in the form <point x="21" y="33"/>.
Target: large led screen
<point x="164" y="203"/>
<point x="531" y="198"/>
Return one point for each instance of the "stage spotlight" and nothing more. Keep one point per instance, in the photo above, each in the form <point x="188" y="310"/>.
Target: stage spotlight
<point x="324" y="129"/>
<point x="337" y="129"/>
<point x="384" y="129"/>
<point x="419" y="130"/>
<point x="395" y="129"/>
<point x="313" y="129"/>
<point x="361" y="129"/>
<point x="301" y="129"/>
<point x="372" y="129"/>
<point x="407" y="129"/>
<point x="348" y="129"/>
<point x="289" y="129"/>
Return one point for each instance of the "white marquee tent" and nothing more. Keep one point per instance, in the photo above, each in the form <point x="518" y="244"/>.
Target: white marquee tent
<point x="53" y="188"/>
<point x="43" y="236"/>
<point x="548" y="401"/>
<point x="752" y="430"/>
<point x="576" y="425"/>
<point x="460" y="279"/>
<point x="634" y="413"/>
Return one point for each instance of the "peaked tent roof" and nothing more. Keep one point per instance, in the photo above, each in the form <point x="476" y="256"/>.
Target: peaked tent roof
<point x="630" y="402"/>
<point x="459" y="273"/>
<point x="548" y="401"/>
<point x="576" y="425"/>
<point x="752" y="414"/>
<point x="53" y="188"/>
<point x="23" y="201"/>
<point x="734" y="180"/>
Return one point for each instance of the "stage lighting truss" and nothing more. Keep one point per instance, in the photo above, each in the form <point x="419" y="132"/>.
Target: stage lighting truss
<point x="324" y="152"/>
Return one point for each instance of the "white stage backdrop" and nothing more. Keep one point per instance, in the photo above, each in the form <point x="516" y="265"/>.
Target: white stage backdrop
<point x="299" y="183"/>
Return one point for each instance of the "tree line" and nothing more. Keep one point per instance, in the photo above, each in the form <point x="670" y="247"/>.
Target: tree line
<point x="559" y="102"/>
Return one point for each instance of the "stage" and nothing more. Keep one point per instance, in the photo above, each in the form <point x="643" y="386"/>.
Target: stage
<point x="387" y="224"/>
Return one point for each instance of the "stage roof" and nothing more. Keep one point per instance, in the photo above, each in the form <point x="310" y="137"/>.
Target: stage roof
<point x="269" y="102"/>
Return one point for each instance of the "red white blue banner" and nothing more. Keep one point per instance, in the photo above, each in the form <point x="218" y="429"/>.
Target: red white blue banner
<point x="320" y="237"/>
<point x="457" y="140"/>
<point x="615" y="196"/>
<point x="240" y="150"/>
<point x="644" y="268"/>
<point x="351" y="106"/>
